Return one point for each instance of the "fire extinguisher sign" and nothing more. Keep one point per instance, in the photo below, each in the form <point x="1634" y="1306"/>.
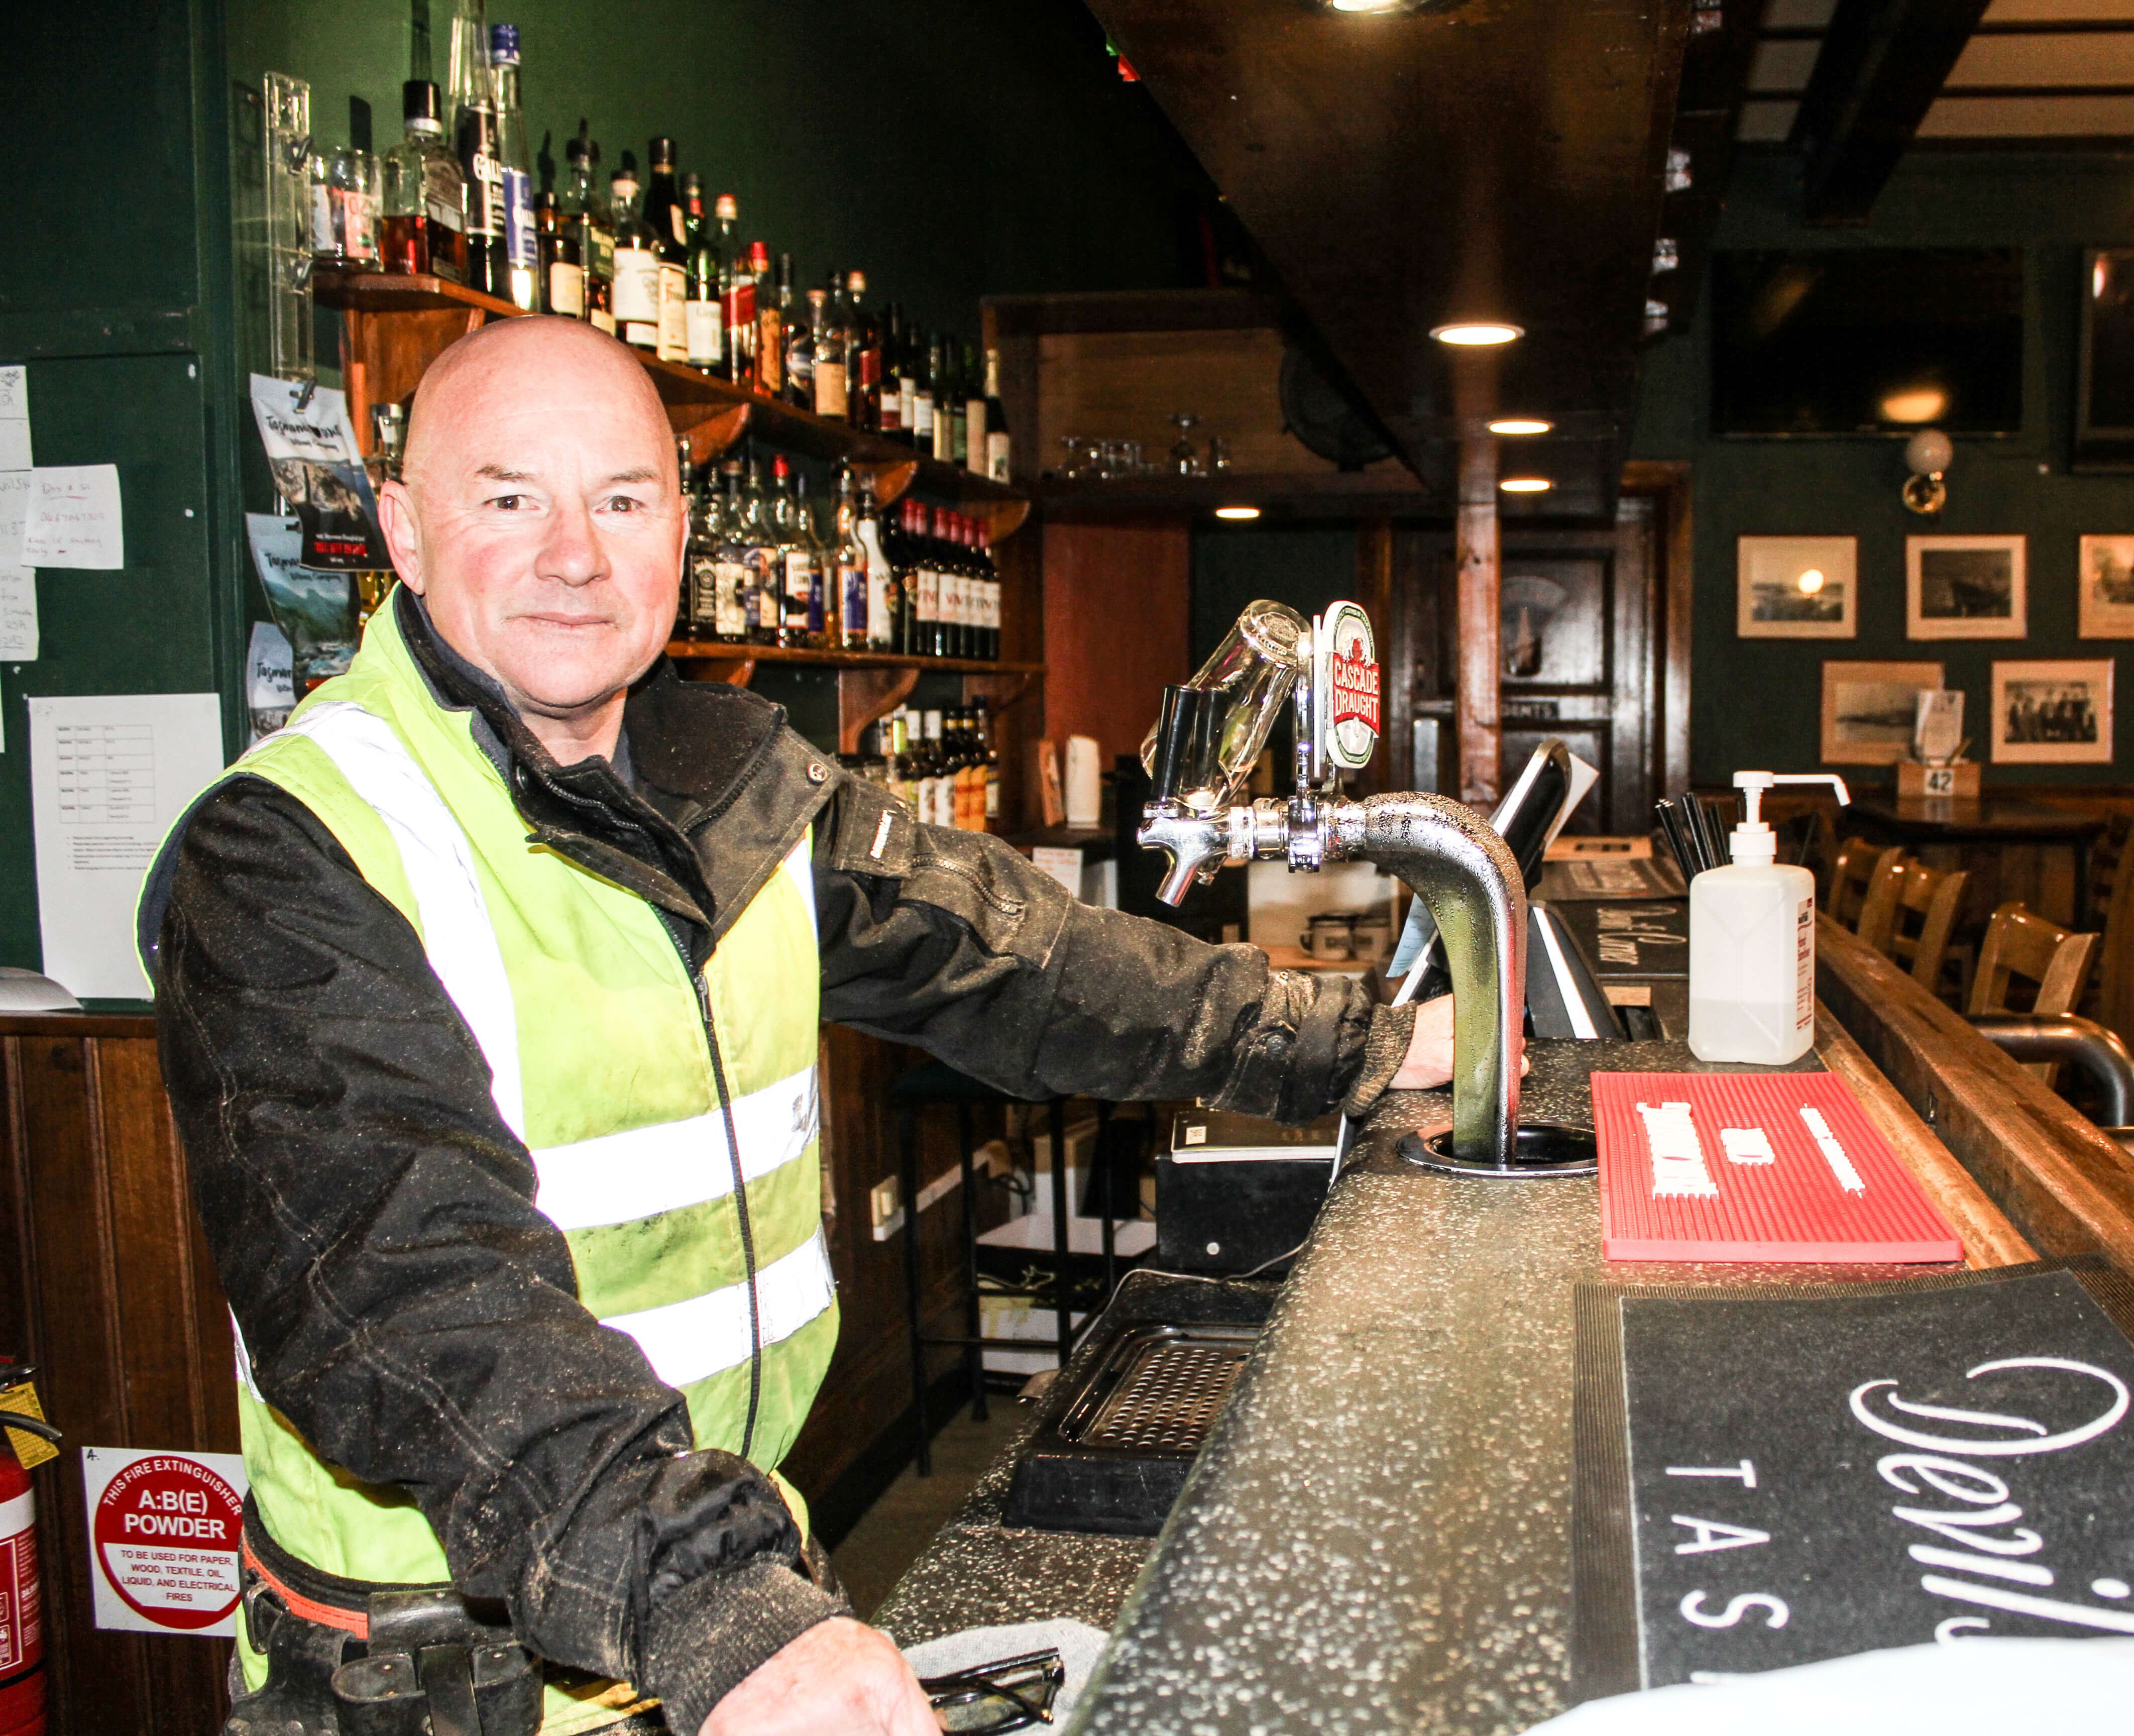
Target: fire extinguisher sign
<point x="163" y="1533"/>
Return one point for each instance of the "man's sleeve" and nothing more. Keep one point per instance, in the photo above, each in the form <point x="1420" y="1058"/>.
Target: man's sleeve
<point x="403" y="1303"/>
<point x="951" y="940"/>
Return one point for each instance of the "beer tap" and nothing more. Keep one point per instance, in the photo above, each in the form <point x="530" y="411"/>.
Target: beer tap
<point x="1209" y="733"/>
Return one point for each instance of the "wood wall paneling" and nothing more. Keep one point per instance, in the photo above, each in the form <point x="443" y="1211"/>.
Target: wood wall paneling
<point x="1116" y="627"/>
<point x="107" y="1287"/>
<point x="1477" y="550"/>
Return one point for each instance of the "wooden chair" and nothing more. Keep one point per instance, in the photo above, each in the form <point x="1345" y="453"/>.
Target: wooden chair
<point x="2021" y="944"/>
<point x="1858" y="862"/>
<point x="2110" y="998"/>
<point x="1901" y="890"/>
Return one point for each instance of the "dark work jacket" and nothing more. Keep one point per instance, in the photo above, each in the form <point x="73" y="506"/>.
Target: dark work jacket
<point x="335" y="1111"/>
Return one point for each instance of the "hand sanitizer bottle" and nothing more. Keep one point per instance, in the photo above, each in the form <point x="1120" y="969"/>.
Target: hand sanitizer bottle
<point x="1752" y="943"/>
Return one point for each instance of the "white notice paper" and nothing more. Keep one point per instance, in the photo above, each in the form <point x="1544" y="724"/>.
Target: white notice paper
<point x="74" y="518"/>
<point x="107" y="776"/>
<point x="15" y="418"/>
<point x="1064" y="866"/>
<point x="18" y="584"/>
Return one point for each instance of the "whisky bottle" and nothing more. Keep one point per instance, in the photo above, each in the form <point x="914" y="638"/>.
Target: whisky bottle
<point x="474" y="131"/>
<point x="826" y="344"/>
<point x="759" y="540"/>
<point x="425" y="194"/>
<point x="703" y="312"/>
<point x="853" y="579"/>
<point x="636" y="262"/>
<point x="562" y="271"/>
<point x="584" y="214"/>
<point x="666" y="221"/>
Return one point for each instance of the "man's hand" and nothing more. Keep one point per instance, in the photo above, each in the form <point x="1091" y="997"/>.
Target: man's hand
<point x="1429" y="1062"/>
<point x="840" y="1676"/>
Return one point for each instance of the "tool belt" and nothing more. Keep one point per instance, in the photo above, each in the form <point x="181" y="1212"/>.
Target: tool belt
<point x="349" y="1657"/>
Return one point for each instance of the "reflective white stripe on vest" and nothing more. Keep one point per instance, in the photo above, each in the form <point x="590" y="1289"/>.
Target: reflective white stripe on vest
<point x="439" y="863"/>
<point x="618" y="1178"/>
<point x="690" y="1341"/>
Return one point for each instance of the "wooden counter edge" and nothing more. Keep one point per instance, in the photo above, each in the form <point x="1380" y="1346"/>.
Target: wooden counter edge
<point x="1989" y="1239"/>
<point x="2056" y="1176"/>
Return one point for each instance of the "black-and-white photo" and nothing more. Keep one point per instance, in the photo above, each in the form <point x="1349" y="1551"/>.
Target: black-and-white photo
<point x="2107" y="602"/>
<point x="2050" y="711"/>
<point x="1965" y="588"/>
<point x="2046" y="713"/>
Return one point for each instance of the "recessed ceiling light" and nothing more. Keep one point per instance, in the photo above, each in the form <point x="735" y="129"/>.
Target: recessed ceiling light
<point x="1526" y="485"/>
<point x="1521" y="425"/>
<point x="1237" y="512"/>
<point x="1477" y="332"/>
<point x="1365" y="6"/>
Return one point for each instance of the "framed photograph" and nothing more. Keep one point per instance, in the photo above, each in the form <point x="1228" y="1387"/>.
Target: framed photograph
<point x="1869" y="709"/>
<point x="1796" y="586"/>
<point x="2052" y="713"/>
<point x="1965" y="588"/>
<point x="2108" y="587"/>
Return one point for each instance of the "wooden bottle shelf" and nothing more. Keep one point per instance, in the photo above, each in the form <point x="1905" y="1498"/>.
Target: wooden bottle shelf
<point x="398" y="325"/>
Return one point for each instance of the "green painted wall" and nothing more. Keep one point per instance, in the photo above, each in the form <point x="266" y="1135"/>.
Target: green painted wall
<point x="951" y="148"/>
<point x="1758" y="702"/>
<point x="114" y="290"/>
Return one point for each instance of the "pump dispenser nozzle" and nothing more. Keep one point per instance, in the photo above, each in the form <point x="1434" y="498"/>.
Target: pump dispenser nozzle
<point x="1752" y="843"/>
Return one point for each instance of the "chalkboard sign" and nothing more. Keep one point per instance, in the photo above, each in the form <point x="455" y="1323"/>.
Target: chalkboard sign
<point x="1641" y="941"/>
<point x="1767" y="1478"/>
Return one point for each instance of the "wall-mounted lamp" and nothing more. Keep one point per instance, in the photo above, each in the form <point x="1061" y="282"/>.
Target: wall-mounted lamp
<point x="1471" y="333"/>
<point x="1928" y="453"/>
<point x="1237" y="512"/>
<point x="1521" y="425"/>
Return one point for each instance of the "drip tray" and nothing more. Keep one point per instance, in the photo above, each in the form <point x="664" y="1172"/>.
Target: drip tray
<point x="1112" y="1455"/>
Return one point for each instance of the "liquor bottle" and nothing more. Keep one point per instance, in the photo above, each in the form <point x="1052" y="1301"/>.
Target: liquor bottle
<point x="998" y="451"/>
<point x="938" y="802"/>
<point x="773" y="306"/>
<point x="636" y="262"/>
<point x="704" y="312"/>
<point x="926" y="577"/>
<point x="989" y="575"/>
<point x="562" y="270"/>
<point x="890" y="400"/>
<point x="730" y="611"/>
<point x="344" y="198"/>
<point x="863" y="356"/>
<point x="942" y="391"/>
<point x="923" y="406"/>
<point x="885" y="594"/>
<point x="760" y="544"/>
<point x="824" y="582"/>
<point x="668" y="223"/>
<point x="473" y="101"/>
<point x="707" y="536"/>
<point x="977" y="415"/>
<point x="903" y="733"/>
<point x="855" y="579"/>
<point x="956" y="598"/>
<point x="831" y="342"/>
<point x="686" y="475"/>
<point x="425" y="194"/>
<point x="521" y="251"/>
<point x="801" y="325"/>
<point x="958" y="401"/>
<point x="585" y="215"/>
<point x="993" y="767"/>
<point x="738" y="290"/>
<point x="795" y="582"/>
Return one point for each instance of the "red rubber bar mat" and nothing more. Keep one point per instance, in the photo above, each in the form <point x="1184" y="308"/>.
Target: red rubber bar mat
<point x="1753" y="1166"/>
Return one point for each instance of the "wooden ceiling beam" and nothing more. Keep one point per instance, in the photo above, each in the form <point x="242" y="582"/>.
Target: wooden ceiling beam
<point x="1883" y="64"/>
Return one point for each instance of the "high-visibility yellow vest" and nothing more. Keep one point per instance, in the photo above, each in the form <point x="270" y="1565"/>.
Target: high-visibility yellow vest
<point x="590" y="1022"/>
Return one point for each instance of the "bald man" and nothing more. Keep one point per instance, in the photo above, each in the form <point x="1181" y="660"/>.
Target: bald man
<point x="488" y="993"/>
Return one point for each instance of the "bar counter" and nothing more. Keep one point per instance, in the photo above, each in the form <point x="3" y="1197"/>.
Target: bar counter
<point x="1378" y="1533"/>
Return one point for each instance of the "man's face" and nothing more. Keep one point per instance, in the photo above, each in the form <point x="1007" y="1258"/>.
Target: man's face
<point x="541" y="519"/>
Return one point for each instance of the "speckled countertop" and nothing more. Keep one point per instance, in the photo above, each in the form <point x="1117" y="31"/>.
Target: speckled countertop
<point x="1377" y="1535"/>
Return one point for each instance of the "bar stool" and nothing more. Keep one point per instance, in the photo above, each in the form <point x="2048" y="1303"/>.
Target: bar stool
<point x="1901" y="889"/>
<point x="2020" y="943"/>
<point x="933" y="1082"/>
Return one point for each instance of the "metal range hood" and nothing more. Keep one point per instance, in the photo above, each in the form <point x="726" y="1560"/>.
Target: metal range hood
<point x="1438" y="162"/>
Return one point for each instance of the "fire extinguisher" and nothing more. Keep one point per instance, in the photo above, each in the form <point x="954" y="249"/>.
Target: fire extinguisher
<point x="21" y="1628"/>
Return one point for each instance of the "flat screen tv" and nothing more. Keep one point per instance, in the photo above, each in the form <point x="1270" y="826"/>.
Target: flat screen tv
<point x="1868" y="341"/>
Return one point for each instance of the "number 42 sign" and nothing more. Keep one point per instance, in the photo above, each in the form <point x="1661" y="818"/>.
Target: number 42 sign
<point x="164" y="1530"/>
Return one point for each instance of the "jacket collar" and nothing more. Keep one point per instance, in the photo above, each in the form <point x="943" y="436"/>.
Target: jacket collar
<point x="722" y="791"/>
